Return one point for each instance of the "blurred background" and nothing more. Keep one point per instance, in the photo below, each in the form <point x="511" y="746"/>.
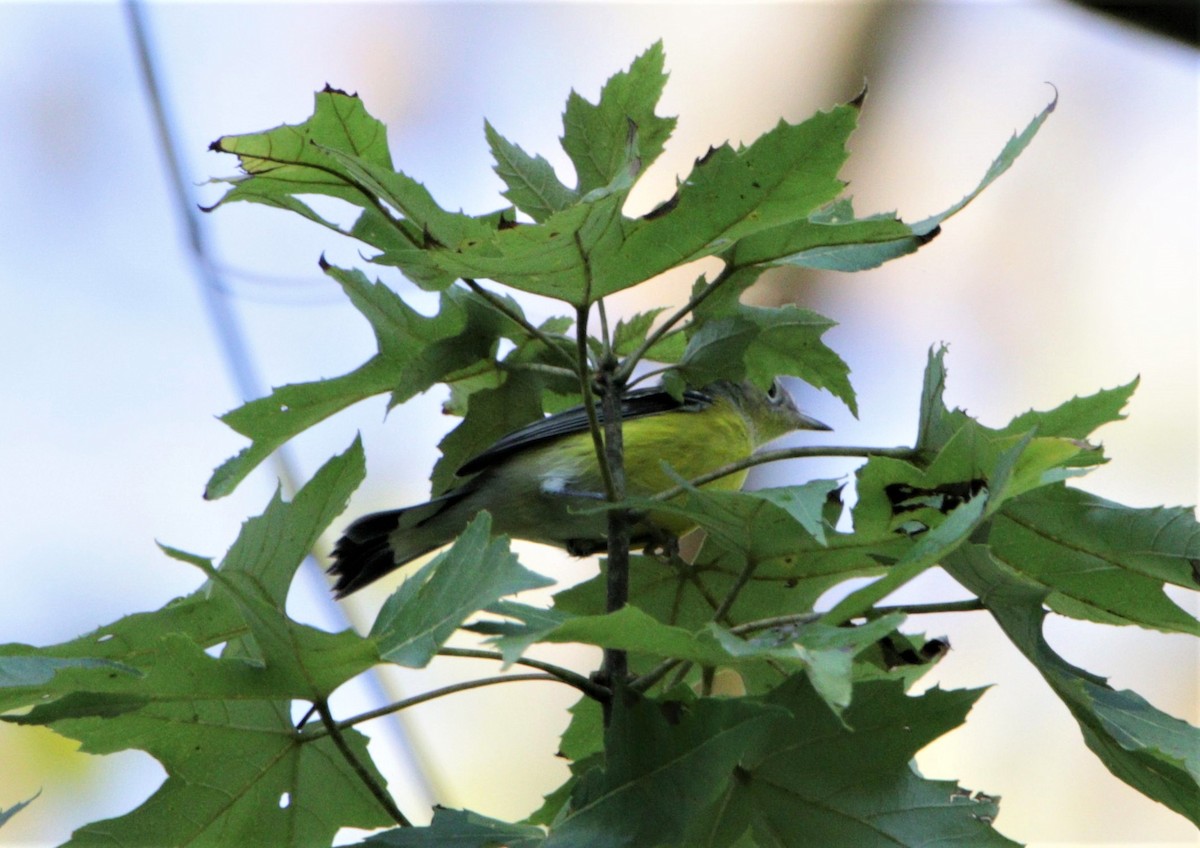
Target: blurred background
<point x="1077" y="270"/>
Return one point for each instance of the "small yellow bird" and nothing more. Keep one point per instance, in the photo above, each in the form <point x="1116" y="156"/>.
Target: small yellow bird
<point x="542" y="483"/>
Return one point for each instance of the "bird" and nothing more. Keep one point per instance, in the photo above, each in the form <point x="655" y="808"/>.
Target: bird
<point x="542" y="481"/>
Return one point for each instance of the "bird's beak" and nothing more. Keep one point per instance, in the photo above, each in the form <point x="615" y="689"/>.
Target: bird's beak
<point x="808" y="423"/>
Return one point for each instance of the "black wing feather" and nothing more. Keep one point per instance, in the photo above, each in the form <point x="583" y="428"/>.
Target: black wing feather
<point x="636" y="404"/>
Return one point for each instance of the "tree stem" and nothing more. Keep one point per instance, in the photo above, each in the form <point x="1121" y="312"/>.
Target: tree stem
<point x="615" y="670"/>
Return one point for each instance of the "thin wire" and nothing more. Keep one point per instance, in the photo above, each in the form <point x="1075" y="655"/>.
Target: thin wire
<point x="224" y="322"/>
<point x="221" y="316"/>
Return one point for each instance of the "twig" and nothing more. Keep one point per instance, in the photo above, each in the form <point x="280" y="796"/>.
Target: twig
<point x="540" y="368"/>
<point x="507" y="311"/>
<point x="589" y="403"/>
<point x="368" y="779"/>
<point x="571" y="678"/>
<point x="433" y="694"/>
<point x="654" y="675"/>
<point x="764" y="457"/>
<point x="742" y="579"/>
<point x="969" y="605"/>
<point x="626" y="369"/>
<point x="605" y="338"/>
<point x="654" y="372"/>
<point x="775" y="621"/>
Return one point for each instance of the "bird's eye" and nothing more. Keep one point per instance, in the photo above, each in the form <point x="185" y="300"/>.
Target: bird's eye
<point x="774" y="394"/>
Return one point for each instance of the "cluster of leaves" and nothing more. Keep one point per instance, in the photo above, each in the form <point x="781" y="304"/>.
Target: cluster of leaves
<point x="817" y="747"/>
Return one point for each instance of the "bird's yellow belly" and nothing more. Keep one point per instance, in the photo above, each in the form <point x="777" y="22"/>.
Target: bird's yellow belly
<point x="566" y="505"/>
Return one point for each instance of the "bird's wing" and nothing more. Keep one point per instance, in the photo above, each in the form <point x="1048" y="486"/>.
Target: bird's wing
<point x="636" y="404"/>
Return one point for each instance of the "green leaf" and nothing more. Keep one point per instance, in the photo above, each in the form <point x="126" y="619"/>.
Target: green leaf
<point x="823" y="652"/>
<point x="271" y="546"/>
<point x="596" y="137"/>
<point x="493" y="410"/>
<point x="415" y="352"/>
<point x="161" y="654"/>
<point x="805" y="503"/>
<point x="808" y="782"/>
<point x="760" y="525"/>
<point x="458" y="829"/>
<point x="936" y="423"/>
<point x="831" y="239"/>
<point x="827" y="654"/>
<point x="956" y="445"/>
<point x="174" y="668"/>
<point x="533" y="187"/>
<point x="927" y="552"/>
<point x="630" y="629"/>
<point x="430" y="605"/>
<point x="970" y="473"/>
<point x="220" y="726"/>
<point x="584" y="736"/>
<point x="728" y="340"/>
<point x="1100" y="560"/>
<point x="583" y="744"/>
<point x="290" y="160"/>
<point x="782" y="177"/>
<point x="490" y="414"/>
<point x="5" y="815"/>
<point x="1078" y="417"/>
<point x="300" y="660"/>
<point x="787" y="585"/>
<point x="239" y="769"/>
<point x="631" y="332"/>
<point x="133" y="642"/>
<point x="548" y="258"/>
<point x="440" y="230"/>
<point x="1156" y="754"/>
<point x="1015" y="146"/>
<point x="341" y="151"/>
<point x="792" y="568"/>
<point x="900" y="656"/>
<point x="665" y="763"/>
<point x="513" y="637"/>
<point x="1074" y="420"/>
<point x="33" y="670"/>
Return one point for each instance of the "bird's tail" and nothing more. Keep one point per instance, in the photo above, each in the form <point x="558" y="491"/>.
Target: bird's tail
<point x="381" y="542"/>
